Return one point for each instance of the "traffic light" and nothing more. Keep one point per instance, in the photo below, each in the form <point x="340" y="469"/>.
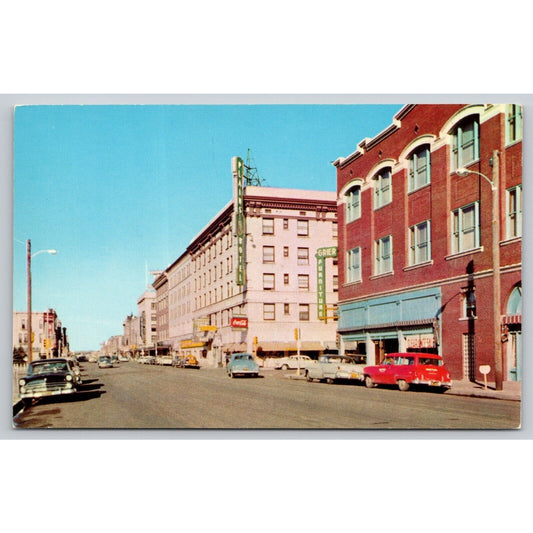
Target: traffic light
<point x="255" y="340"/>
<point x="296" y="333"/>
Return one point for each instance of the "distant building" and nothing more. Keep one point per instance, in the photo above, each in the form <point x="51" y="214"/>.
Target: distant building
<point x="416" y="268"/>
<point x="146" y="311"/>
<point x="249" y="279"/>
<point x="49" y="337"/>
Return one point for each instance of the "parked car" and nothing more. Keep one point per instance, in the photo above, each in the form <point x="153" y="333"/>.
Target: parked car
<point x="163" y="360"/>
<point x="48" y="377"/>
<point x="335" y="367"/>
<point x="242" y="364"/>
<point x="294" y="361"/>
<point x="146" y="359"/>
<point x="104" y="361"/>
<point x="406" y="369"/>
<point x="114" y="360"/>
<point x="185" y="361"/>
<point x="76" y="367"/>
<point x="123" y="358"/>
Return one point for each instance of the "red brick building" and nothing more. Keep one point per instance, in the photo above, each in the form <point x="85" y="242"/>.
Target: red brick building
<point x="416" y="249"/>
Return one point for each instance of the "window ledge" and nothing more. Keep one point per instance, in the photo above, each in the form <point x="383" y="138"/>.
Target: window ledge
<point x="463" y="254"/>
<point x="512" y="240"/>
<point x="418" y="265"/>
<point x="384" y="275"/>
<point x="419" y="188"/>
<point x="350" y="283"/>
<point x="466" y="319"/>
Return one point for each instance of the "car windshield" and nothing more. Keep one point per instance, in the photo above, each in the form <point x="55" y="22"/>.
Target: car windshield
<point x="244" y="357"/>
<point x="404" y="361"/>
<point x="47" y="368"/>
<point x="430" y="361"/>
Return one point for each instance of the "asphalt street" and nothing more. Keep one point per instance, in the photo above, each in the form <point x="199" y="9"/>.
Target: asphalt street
<point x="137" y="396"/>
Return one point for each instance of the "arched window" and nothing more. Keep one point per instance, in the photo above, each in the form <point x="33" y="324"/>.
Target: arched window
<point x="419" y="168"/>
<point x="465" y="142"/>
<point x="382" y="188"/>
<point x="514" y="304"/>
<point x="353" y="203"/>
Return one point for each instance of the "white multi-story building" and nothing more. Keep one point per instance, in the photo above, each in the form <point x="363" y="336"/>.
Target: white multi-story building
<point x="251" y="292"/>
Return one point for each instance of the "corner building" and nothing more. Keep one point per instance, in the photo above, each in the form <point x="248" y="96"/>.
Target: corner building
<point x="417" y="264"/>
<point x="226" y="295"/>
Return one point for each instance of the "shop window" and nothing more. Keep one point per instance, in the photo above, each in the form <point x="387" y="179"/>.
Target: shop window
<point x="419" y="168"/>
<point x="419" y="243"/>
<point x="465" y="143"/>
<point x="465" y="228"/>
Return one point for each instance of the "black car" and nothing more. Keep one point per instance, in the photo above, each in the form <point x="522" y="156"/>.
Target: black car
<point x="48" y="377"/>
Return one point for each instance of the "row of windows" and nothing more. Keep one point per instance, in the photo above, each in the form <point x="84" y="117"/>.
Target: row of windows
<point x="302" y="254"/>
<point x="302" y="227"/>
<point x="269" y="311"/>
<point x="465" y="234"/>
<point x="465" y="150"/>
<point x="210" y="253"/>
<point x="269" y="281"/>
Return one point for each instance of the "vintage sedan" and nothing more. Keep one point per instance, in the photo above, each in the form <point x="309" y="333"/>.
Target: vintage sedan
<point x="242" y="364"/>
<point x="331" y="368"/>
<point x="186" y="361"/>
<point x="48" y="377"/>
<point x="293" y="361"/>
<point x="104" y="361"/>
<point x="406" y="369"/>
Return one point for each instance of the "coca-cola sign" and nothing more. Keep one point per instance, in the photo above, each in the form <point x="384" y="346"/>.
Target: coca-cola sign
<point x="239" y="322"/>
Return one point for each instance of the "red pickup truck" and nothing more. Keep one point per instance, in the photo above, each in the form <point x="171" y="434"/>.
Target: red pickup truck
<point x="406" y="369"/>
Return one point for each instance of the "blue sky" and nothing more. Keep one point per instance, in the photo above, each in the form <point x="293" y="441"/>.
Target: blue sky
<point x="117" y="190"/>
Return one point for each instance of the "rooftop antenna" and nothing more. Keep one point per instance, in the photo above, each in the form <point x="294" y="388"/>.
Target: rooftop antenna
<point x="251" y="174"/>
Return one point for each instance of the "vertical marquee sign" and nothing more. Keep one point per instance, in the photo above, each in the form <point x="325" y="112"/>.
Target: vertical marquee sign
<point x="321" y="255"/>
<point x="237" y="168"/>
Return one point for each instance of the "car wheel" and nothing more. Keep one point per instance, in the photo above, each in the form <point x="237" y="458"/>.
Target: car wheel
<point x="368" y="382"/>
<point x="330" y="381"/>
<point x="403" y="385"/>
<point x="284" y="367"/>
<point x="307" y="376"/>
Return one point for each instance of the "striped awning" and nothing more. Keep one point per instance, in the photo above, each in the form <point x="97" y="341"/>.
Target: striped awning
<point x="512" y="319"/>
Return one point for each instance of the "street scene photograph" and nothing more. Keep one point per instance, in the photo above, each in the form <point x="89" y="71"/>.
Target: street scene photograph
<point x="267" y="266"/>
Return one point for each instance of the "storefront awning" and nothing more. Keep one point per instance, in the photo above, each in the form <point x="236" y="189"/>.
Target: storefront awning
<point x="512" y="319"/>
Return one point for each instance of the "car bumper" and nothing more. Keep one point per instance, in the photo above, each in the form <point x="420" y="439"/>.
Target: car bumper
<point x="433" y="383"/>
<point x="41" y="393"/>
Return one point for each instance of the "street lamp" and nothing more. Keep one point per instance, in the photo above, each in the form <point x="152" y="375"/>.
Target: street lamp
<point x="29" y="257"/>
<point x="496" y="297"/>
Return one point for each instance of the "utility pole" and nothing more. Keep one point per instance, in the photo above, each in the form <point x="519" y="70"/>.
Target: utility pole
<point x="498" y="362"/>
<point x="28" y="268"/>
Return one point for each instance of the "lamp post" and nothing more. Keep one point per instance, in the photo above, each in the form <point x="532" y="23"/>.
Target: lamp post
<point x="496" y="288"/>
<point x="29" y="257"/>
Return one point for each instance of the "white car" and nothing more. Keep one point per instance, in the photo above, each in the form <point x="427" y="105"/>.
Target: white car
<point x="294" y="361"/>
<point x="331" y="368"/>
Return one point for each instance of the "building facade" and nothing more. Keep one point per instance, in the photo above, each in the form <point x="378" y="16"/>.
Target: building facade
<point x="49" y="337"/>
<point x="419" y="261"/>
<point x="229" y="293"/>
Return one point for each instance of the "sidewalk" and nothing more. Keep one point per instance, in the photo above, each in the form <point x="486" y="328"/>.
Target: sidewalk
<point x="512" y="390"/>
